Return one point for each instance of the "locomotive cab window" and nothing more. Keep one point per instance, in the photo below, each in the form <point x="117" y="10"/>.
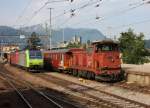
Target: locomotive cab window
<point x="107" y="47"/>
<point x="35" y="54"/>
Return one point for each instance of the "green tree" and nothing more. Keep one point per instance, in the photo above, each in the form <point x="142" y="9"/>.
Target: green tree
<point x="33" y="42"/>
<point x="74" y="45"/>
<point x="133" y="47"/>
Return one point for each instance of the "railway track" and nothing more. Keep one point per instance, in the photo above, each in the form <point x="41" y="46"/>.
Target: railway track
<point x="101" y="98"/>
<point x="104" y="98"/>
<point x="133" y="87"/>
<point x="51" y="101"/>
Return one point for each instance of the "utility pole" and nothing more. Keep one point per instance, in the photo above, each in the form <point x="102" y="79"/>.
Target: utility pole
<point x="109" y="31"/>
<point x="20" y="37"/>
<point x="1" y="48"/>
<point x="47" y="33"/>
<point x="63" y="35"/>
<point x="50" y="27"/>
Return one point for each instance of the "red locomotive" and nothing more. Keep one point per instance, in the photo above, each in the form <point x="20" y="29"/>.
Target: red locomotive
<point x="101" y="61"/>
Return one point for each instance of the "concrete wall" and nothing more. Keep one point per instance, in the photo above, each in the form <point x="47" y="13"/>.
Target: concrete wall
<point x="140" y="79"/>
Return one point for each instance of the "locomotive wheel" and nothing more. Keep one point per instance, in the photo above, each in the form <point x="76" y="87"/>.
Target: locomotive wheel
<point x="71" y="71"/>
<point x="84" y="74"/>
<point x="89" y="75"/>
<point x="92" y="76"/>
<point x="27" y="69"/>
<point x="66" y="72"/>
<point x="122" y="75"/>
<point x="60" y="71"/>
<point x="75" y="72"/>
<point x="79" y="73"/>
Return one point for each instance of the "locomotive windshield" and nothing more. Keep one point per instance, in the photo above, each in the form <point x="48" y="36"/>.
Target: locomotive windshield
<point x="107" y="47"/>
<point x="35" y="54"/>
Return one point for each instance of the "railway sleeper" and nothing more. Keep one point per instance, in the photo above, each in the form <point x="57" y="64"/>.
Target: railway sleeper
<point x="104" y="104"/>
<point x="121" y="103"/>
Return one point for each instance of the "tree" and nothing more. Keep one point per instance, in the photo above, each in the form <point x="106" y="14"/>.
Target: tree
<point x="133" y="47"/>
<point x="33" y="42"/>
<point x="74" y="45"/>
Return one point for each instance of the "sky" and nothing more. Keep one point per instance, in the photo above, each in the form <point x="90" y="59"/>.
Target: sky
<point x="111" y="17"/>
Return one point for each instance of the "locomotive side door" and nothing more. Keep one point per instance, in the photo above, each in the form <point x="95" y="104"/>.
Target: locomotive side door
<point x="90" y="57"/>
<point x="62" y="60"/>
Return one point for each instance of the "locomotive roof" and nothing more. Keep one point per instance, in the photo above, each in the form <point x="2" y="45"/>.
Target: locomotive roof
<point x="105" y="42"/>
<point x="23" y="51"/>
<point x="59" y="50"/>
<point x="64" y="50"/>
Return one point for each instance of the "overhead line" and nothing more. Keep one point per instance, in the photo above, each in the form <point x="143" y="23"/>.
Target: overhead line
<point x="131" y="24"/>
<point x="37" y="11"/>
<point x="22" y="13"/>
<point x="114" y="15"/>
<point x="79" y="8"/>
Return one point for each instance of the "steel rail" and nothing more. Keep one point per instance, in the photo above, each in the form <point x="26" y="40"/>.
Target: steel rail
<point x="37" y="91"/>
<point x="18" y="91"/>
<point x="112" y="97"/>
<point x="46" y="97"/>
<point x="61" y="100"/>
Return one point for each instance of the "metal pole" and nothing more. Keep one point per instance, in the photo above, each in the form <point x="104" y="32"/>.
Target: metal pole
<point x="20" y="38"/>
<point x="1" y="48"/>
<point x="63" y="35"/>
<point x="47" y="32"/>
<point x="50" y="34"/>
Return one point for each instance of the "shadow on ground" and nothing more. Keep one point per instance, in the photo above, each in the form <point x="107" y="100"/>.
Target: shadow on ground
<point x="12" y="100"/>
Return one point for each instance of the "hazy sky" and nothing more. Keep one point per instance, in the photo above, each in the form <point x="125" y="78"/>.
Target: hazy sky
<point x="114" y="16"/>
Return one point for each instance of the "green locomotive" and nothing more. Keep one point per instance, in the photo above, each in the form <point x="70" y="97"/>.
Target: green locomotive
<point x="29" y="59"/>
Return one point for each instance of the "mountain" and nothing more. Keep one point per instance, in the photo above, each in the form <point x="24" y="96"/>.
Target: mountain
<point x="57" y="35"/>
<point x="84" y="33"/>
<point x="9" y="35"/>
<point x="8" y="31"/>
<point x="35" y="28"/>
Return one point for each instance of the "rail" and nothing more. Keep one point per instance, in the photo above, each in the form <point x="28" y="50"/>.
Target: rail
<point x="102" y="96"/>
<point x="18" y="91"/>
<point x="11" y="81"/>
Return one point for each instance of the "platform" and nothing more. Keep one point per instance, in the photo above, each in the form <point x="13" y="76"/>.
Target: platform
<point x="139" y="74"/>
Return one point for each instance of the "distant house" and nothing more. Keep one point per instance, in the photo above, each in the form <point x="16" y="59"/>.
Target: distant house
<point x="63" y="44"/>
<point x="8" y="48"/>
<point x="76" y="39"/>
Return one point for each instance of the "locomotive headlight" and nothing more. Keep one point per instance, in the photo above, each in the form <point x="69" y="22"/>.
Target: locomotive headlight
<point x="104" y="68"/>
